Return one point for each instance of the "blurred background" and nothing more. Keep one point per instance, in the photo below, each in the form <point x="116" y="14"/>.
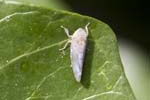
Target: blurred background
<point x="130" y="20"/>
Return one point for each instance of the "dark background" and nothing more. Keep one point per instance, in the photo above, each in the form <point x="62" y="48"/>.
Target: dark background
<point x="129" y="19"/>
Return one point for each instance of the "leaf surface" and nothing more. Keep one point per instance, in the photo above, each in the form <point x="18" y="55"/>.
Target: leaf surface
<point x="33" y="68"/>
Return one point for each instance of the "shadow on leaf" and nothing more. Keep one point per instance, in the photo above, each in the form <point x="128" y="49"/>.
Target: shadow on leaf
<point x="86" y="76"/>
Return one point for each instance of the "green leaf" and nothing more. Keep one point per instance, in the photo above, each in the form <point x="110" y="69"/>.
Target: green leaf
<point x="33" y="68"/>
<point x="56" y="4"/>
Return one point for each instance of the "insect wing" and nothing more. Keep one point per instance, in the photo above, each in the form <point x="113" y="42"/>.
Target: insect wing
<point x="77" y="58"/>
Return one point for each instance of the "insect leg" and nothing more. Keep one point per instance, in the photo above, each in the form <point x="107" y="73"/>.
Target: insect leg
<point x="66" y="31"/>
<point x="86" y="28"/>
<point x="65" y="46"/>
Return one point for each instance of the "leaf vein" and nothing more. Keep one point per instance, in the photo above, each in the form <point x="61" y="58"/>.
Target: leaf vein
<point x="16" y="13"/>
<point x="30" y="53"/>
<point x="78" y="90"/>
<point x="104" y="93"/>
<point x="42" y="81"/>
<point x="117" y="82"/>
<point x="100" y="68"/>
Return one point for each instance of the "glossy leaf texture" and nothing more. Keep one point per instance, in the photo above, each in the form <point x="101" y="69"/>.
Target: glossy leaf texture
<point x="33" y="68"/>
<point x="55" y="4"/>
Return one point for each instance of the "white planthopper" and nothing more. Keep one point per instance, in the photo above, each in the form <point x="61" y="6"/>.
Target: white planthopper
<point x="77" y="49"/>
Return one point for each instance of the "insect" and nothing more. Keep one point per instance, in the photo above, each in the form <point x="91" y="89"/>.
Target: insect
<point x="78" y="43"/>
